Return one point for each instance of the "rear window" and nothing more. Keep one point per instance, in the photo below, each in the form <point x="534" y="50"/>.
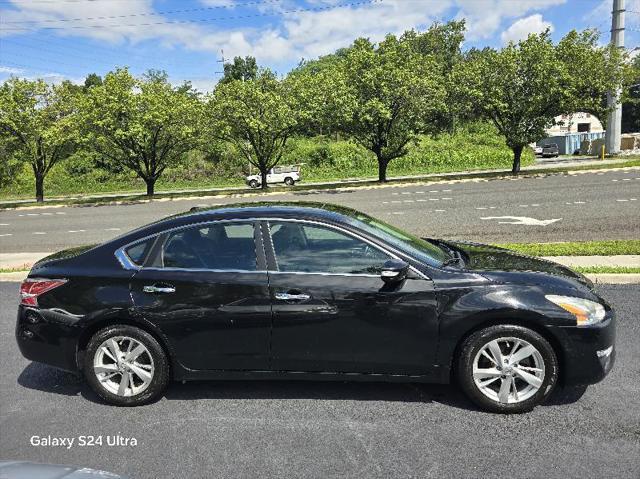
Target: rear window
<point x="138" y="252"/>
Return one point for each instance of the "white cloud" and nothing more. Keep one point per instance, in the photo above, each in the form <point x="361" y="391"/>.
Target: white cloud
<point x="484" y="17"/>
<point x="10" y="70"/>
<point x="520" y="29"/>
<point x="281" y="39"/>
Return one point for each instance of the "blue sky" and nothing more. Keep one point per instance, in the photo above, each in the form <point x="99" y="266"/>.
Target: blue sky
<point x="58" y="39"/>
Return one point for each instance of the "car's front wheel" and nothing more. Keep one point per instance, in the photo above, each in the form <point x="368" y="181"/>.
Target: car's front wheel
<point x="253" y="184"/>
<point x="289" y="181"/>
<point x="507" y="368"/>
<point x="126" y="366"/>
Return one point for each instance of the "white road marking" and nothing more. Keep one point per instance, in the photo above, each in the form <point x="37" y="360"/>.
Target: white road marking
<point x="118" y="229"/>
<point x="481" y="207"/>
<point x="32" y="214"/>
<point x="407" y="201"/>
<point x="446" y="191"/>
<point x="39" y="233"/>
<point x="76" y="231"/>
<point x="524" y="206"/>
<point x="4" y="224"/>
<point x="447" y="198"/>
<point x="6" y="234"/>
<point x="422" y="201"/>
<point x="440" y="211"/>
<point x="397" y="213"/>
<point x="579" y="202"/>
<point x="521" y="220"/>
<point x="47" y="214"/>
<point x="60" y="213"/>
<point x="622" y="200"/>
<point x="626" y="179"/>
<point x="535" y="204"/>
<point x="434" y="199"/>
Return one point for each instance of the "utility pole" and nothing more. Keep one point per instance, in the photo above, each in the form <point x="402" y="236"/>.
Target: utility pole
<point x="223" y="61"/>
<point x="614" y="120"/>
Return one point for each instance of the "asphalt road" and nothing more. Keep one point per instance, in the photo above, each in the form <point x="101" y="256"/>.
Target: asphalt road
<point x="581" y="206"/>
<point x="298" y="429"/>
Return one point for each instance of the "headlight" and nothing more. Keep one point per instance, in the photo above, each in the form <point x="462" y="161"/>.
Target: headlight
<point x="586" y="312"/>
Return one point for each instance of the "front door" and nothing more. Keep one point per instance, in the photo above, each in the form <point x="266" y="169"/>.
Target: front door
<point x="206" y="289"/>
<point x="332" y="311"/>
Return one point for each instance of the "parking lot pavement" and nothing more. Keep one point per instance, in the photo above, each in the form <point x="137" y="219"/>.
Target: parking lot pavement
<point x="298" y="429"/>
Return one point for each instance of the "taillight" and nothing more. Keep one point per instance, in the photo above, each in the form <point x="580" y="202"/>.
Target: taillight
<point x="30" y="289"/>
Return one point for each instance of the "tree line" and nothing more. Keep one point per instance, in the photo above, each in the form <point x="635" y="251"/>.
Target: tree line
<point x="381" y="95"/>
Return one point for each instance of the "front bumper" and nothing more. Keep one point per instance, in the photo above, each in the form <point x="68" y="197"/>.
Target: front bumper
<point x="590" y="351"/>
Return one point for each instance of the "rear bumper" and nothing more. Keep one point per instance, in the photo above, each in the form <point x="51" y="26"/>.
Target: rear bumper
<point x="49" y="341"/>
<point x="590" y="352"/>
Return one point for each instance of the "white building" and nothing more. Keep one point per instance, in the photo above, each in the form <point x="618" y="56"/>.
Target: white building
<point x="579" y="122"/>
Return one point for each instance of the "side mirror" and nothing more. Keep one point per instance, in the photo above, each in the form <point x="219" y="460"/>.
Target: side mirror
<point x="394" y="270"/>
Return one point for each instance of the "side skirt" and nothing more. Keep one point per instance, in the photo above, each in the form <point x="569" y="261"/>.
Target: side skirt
<point x="189" y="375"/>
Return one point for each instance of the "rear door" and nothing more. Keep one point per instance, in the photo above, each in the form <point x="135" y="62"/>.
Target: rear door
<point x="333" y="312"/>
<point x="206" y="288"/>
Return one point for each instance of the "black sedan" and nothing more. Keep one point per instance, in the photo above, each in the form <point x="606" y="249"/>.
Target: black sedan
<point x="310" y="291"/>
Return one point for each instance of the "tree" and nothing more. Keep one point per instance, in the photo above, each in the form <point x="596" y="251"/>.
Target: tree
<point x="37" y="125"/>
<point x="257" y="116"/>
<point x="93" y="79"/>
<point x="391" y="95"/>
<point x="243" y="69"/>
<point x="522" y="87"/>
<point x="144" y="125"/>
<point x="443" y="43"/>
<point x="631" y="105"/>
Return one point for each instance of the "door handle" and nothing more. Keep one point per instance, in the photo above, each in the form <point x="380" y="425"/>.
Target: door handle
<point x="292" y="297"/>
<point x="159" y="289"/>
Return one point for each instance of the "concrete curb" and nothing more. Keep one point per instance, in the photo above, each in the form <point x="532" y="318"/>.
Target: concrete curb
<point x="596" y="278"/>
<point x="611" y="278"/>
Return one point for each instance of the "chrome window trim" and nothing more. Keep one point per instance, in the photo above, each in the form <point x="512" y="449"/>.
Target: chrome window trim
<point x="124" y="260"/>
<point x="128" y="264"/>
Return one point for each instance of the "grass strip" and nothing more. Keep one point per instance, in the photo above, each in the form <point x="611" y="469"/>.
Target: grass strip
<point x="577" y="248"/>
<point x="607" y="269"/>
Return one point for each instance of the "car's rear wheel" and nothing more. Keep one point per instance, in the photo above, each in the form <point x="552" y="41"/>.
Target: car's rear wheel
<point x="126" y="366"/>
<point x="507" y="368"/>
<point x="289" y="181"/>
<point x="253" y="183"/>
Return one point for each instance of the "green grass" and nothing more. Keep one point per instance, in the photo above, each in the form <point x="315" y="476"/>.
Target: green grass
<point x="578" y="248"/>
<point x="476" y="147"/>
<point x="608" y="269"/>
<point x="14" y="270"/>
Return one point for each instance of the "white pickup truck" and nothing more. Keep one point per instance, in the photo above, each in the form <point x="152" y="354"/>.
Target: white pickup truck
<point x="288" y="175"/>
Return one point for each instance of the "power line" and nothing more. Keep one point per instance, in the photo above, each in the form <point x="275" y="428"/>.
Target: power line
<point x="206" y="20"/>
<point x="145" y="14"/>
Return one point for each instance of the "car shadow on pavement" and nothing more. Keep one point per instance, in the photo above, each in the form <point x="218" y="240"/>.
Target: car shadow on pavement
<point x="47" y="379"/>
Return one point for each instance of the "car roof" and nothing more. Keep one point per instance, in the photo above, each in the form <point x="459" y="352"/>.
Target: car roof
<point x="266" y="209"/>
<point x="326" y="212"/>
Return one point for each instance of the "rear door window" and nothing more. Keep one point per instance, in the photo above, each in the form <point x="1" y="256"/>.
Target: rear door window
<point x="217" y="246"/>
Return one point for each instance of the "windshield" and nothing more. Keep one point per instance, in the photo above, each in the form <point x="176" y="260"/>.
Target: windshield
<point x="413" y="246"/>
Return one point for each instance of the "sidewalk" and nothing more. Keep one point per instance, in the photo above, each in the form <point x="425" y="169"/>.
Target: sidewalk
<point x="542" y="166"/>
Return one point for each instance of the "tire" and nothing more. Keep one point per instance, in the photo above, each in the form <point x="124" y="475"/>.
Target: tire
<point x="148" y="371"/>
<point x="253" y="184"/>
<point x="289" y="181"/>
<point x="543" y="364"/>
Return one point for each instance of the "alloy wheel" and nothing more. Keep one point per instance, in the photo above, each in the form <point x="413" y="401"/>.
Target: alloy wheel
<point x="508" y="370"/>
<point x="123" y="366"/>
